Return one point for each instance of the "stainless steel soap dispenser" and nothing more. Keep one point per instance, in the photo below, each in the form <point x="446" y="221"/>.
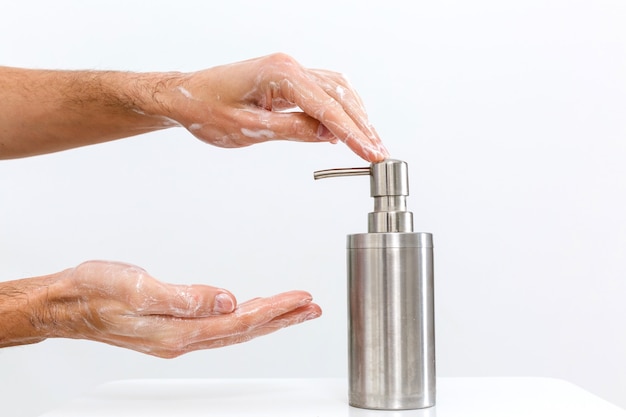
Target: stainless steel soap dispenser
<point x="390" y="298"/>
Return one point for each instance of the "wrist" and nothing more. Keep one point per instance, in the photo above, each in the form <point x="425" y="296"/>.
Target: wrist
<point x="154" y="93"/>
<point x="25" y="310"/>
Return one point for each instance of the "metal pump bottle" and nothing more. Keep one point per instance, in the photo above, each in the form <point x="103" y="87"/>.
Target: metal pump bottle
<point x="390" y="299"/>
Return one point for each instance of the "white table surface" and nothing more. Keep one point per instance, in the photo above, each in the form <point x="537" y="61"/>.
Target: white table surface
<point x="456" y="397"/>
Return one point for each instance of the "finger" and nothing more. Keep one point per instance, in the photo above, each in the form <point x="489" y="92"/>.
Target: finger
<point x="168" y="336"/>
<point x="192" y="329"/>
<point x="263" y="125"/>
<point x="313" y="100"/>
<point x="300" y="315"/>
<point x="173" y="345"/>
<point x="339" y="79"/>
<point x="159" y="298"/>
<point x="338" y="87"/>
<point x="258" y="311"/>
<point x="144" y="294"/>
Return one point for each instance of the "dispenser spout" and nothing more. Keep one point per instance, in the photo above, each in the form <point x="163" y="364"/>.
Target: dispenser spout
<point x="389" y="185"/>
<point x="341" y="172"/>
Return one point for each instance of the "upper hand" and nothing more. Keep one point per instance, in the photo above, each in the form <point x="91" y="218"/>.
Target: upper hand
<point x="244" y="103"/>
<point x="123" y="305"/>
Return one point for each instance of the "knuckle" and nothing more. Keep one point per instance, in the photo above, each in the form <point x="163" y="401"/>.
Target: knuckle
<point x="281" y="59"/>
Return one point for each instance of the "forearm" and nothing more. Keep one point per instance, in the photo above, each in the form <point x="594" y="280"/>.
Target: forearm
<point x="45" y="111"/>
<point x="24" y="310"/>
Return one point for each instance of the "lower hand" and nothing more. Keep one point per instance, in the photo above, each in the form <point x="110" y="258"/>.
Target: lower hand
<point x="123" y="305"/>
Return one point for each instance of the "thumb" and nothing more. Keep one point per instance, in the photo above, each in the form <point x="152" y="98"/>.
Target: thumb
<point x="292" y="126"/>
<point x="190" y="301"/>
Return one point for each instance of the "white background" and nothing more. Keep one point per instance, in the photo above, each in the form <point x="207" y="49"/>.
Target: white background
<point x="511" y="115"/>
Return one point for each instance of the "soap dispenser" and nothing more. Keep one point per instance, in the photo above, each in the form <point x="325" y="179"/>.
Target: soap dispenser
<point x="390" y="298"/>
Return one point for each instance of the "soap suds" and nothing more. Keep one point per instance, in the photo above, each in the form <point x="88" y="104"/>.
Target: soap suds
<point x="258" y="134"/>
<point x="341" y="92"/>
<point x="184" y="92"/>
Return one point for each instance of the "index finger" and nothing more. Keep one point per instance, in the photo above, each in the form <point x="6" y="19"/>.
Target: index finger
<point x="343" y="116"/>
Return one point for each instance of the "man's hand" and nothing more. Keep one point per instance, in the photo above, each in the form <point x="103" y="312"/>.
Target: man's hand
<point x="232" y="105"/>
<point x="246" y="103"/>
<point x="123" y="305"/>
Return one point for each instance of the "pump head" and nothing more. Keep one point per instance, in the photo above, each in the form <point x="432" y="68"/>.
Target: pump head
<point x="389" y="185"/>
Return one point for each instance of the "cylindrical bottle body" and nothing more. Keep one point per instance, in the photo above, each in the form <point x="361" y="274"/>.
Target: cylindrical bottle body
<point x="391" y="321"/>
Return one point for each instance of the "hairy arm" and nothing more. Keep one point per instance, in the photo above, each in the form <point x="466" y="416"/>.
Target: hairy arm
<point x="22" y="310"/>
<point x="44" y="111"/>
<point x="234" y="105"/>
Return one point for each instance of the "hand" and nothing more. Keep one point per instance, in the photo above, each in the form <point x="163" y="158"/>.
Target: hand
<point x="244" y="103"/>
<point x="123" y="305"/>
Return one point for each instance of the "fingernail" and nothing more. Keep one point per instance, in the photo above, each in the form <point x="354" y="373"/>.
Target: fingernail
<point x="224" y="303"/>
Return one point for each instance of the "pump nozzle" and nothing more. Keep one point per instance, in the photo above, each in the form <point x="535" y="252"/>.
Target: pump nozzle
<point x="341" y="172"/>
<point x="389" y="185"/>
